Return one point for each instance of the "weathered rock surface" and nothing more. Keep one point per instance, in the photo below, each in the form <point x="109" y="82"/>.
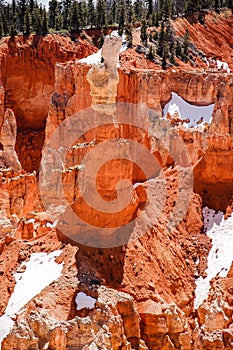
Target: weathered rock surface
<point x="144" y="291"/>
<point x="27" y="79"/>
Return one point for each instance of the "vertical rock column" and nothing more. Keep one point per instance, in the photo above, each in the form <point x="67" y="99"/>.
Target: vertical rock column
<point x="103" y="78"/>
<point x="8" y="135"/>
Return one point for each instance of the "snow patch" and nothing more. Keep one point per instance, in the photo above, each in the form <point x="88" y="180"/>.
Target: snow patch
<point x="223" y="65"/>
<point x="211" y="217"/>
<point x="84" y="301"/>
<point x="41" y="270"/>
<point x="174" y="109"/>
<point x="186" y="110"/>
<point x="96" y="57"/>
<point x="220" y="256"/>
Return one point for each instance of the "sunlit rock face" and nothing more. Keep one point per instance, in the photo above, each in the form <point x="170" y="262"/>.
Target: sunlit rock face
<point x="103" y="78"/>
<point x="9" y="157"/>
<point x="142" y="294"/>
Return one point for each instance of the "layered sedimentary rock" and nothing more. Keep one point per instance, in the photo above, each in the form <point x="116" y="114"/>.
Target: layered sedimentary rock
<point x="143" y="291"/>
<point x="210" y="149"/>
<point x="27" y="79"/>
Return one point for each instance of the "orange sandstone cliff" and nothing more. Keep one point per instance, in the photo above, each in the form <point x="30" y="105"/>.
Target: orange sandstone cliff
<point x="143" y="291"/>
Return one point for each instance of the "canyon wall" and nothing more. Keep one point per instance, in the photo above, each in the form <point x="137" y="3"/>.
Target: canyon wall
<point x="144" y="290"/>
<point x="27" y="81"/>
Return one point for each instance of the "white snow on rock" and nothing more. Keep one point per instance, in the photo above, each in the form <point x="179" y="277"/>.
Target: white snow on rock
<point x="220" y="256"/>
<point x="41" y="270"/>
<point x="84" y="301"/>
<point x="187" y="110"/>
<point x="95" y="58"/>
<point x="211" y="217"/>
<point x="6" y="324"/>
<point x="174" y="109"/>
<point x="223" y="65"/>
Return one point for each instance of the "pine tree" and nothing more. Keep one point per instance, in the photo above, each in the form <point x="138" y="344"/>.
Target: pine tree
<point x="37" y="22"/>
<point x="53" y="9"/>
<point x="166" y="9"/>
<point x="27" y="22"/>
<point x="83" y="13"/>
<point x="230" y="5"/>
<point x="13" y="31"/>
<point x="113" y="12"/>
<point x="151" y="54"/>
<point x="45" y="28"/>
<point x="21" y="17"/>
<point x="129" y="36"/>
<point x="178" y="50"/>
<point x="101" y="13"/>
<point x="186" y="46"/>
<point x="122" y="17"/>
<point x="129" y="11"/>
<point x="172" y="53"/>
<point x="1" y="27"/>
<point x="66" y="4"/>
<point x="59" y="21"/>
<point x="31" y="5"/>
<point x="5" y="22"/>
<point x="91" y="13"/>
<point x="165" y="55"/>
<point x="74" y="19"/>
<point x="161" y="40"/>
<point x="144" y="35"/>
<point x="150" y="8"/>
<point x="138" y="9"/>
<point x="101" y="39"/>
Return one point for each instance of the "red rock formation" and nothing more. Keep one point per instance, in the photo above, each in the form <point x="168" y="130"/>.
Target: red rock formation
<point x="27" y="77"/>
<point x="144" y="291"/>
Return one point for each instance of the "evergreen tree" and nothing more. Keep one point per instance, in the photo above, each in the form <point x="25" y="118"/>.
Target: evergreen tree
<point x="101" y="39"/>
<point x="27" y="22"/>
<point x="101" y="13"/>
<point x="230" y="5"/>
<point x="53" y="9"/>
<point x="129" y="36"/>
<point x="59" y="20"/>
<point x="122" y="17"/>
<point x="83" y="13"/>
<point x="138" y="9"/>
<point x="166" y="9"/>
<point x="31" y="4"/>
<point x="165" y="55"/>
<point x="21" y="16"/>
<point x="13" y="31"/>
<point x="144" y="35"/>
<point x="1" y="27"/>
<point x="150" y="8"/>
<point x="45" y="28"/>
<point x="37" y="22"/>
<point x="113" y="12"/>
<point x="129" y="11"/>
<point x="161" y="40"/>
<point x="172" y="53"/>
<point x="91" y="13"/>
<point x="75" y="20"/>
<point x="178" y="50"/>
<point x="151" y="54"/>
<point x="66" y="4"/>
<point x="186" y="46"/>
<point x="5" y="22"/>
